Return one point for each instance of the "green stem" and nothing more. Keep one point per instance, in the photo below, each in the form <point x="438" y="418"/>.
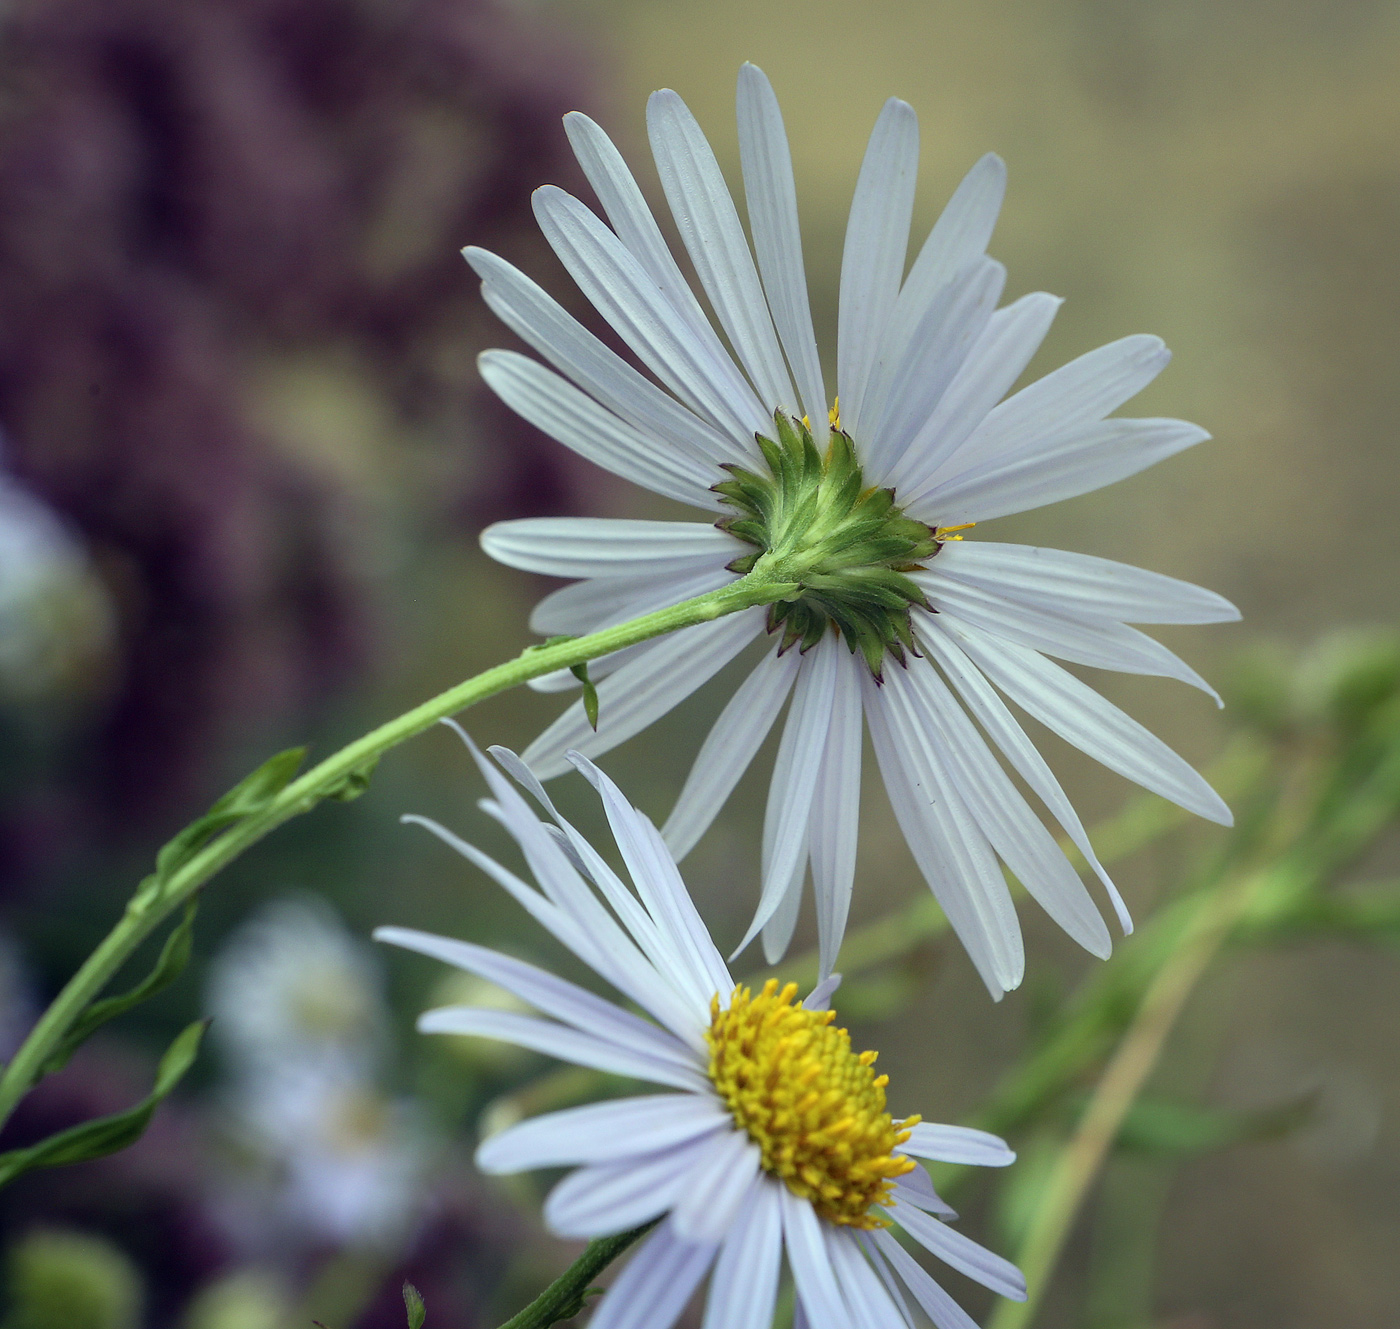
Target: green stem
<point x="566" y="1296"/>
<point x="145" y="913"/>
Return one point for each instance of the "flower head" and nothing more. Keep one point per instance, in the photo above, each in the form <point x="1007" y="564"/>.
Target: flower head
<point x="861" y="503"/>
<point x="771" y="1137"/>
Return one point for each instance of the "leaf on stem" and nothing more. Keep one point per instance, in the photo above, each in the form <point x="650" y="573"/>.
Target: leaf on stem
<point x="174" y="956"/>
<point x="413" y="1304"/>
<point x="590" y="693"/>
<point x="108" y="1135"/>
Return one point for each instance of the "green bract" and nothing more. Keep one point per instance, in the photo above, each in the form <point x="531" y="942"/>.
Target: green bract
<point x="848" y="547"/>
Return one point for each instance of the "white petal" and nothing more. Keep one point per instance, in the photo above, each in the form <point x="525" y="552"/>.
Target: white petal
<point x="994" y="363"/>
<point x="886" y="1277"/>
<point x="729" y="748"/>
<point x="574" y="419"/>
<point x="644" y="690"/>
<point x="872" y="263"/>
<point x="710" y="230"/>
<point x="795" y="779"/>
<point x="832" y="834"/>
<point x="547" y="993"/>
<point x="811" y="1268"/>
<point x="744" y="1286"/>
<point x="996" y="719"/>
<point x="819" y="998"/>
<point x="957" y="1144"/>
<point x="1080" y="716"/>
<point x="1102" y="455"/>
<point x="777" y="931"/>
<point x="606" y="546"/>
<point x="622" y="291"/>
<point x="627" y="210"/>
<point x="717" y="1186"/>
<point x="953" y="855"/>
<point x="605" y="1198"/>
<point x="603" y="1132"/>
<point x="603" y="602"/>
<point x="659" y="885"/>
<point x="921" y="370"/>
<point x="1070" y="398"/>
<point x="652" y="1291"/>
<point x="772" y="204"/>
<point x="559" y="1041"/>
<point x="537" y="318"/>
<point x="917" y="1188"/>
<point x="1098" y="642"/>
<point x="962" y="1252"/>
<point x="867" y="1301"/>
<point x="1081" y="584"/>
<point x="938" y="1305"/>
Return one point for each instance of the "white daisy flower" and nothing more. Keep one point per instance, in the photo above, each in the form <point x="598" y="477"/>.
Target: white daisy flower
<point x="859" y="505"/>
<point x="772" y="1135"/>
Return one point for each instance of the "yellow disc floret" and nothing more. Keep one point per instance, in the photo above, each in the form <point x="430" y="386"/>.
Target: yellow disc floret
<point x="815" y="1109"/>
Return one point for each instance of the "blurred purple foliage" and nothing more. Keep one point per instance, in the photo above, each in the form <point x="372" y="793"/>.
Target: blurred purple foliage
<point x="183" y="186"/>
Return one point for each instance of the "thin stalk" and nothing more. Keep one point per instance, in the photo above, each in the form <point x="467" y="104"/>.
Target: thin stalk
<point x="567" y="1295"/>
<point x="144" y="915"/>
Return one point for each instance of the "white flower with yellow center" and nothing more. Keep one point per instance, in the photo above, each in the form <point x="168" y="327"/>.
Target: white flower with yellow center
<point x="899" y="618"/>
<point x="772" y="1137"/>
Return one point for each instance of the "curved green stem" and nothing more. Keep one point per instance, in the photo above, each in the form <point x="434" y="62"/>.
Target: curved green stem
<point x="567" y="1295"/>
<point x="147" y="911"/>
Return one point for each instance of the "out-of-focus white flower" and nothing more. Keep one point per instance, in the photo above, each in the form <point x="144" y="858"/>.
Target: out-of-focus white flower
<point x="772" y="1137"/>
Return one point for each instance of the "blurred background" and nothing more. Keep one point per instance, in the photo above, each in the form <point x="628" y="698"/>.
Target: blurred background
<point x="244" y="457"/>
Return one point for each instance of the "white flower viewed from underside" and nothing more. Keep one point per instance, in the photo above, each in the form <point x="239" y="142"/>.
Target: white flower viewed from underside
<point x="771" y="1136"/>
<point x="899" y="620"/>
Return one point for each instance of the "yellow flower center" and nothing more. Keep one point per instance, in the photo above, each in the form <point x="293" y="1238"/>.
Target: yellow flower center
<point x="815" y="1109"/>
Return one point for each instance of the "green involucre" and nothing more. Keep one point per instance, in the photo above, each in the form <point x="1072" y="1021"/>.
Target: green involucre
<point x="813" y="521"/>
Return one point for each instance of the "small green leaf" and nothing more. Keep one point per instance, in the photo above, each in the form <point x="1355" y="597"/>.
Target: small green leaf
<point x="354" y="784"/>
<point x="413" y="1304"/>
<point x="174" y="956"/>
<point x="1156" y="1126"/>
<point x="590" y="693"/>
<point x="108" y="1135"/>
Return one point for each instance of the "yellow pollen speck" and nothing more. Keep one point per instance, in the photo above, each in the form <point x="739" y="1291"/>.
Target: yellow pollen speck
<point x="814" y="1108"/>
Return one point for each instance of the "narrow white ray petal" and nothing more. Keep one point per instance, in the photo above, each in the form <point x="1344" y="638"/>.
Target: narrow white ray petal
<point x="624" y="294"/>
<point x="886" y="1276"/>
<point x="660" y="887"/>
<point x="651" y="1292"/>
<point x="1082" y="717"/>
<point x="574" y="419"/>
<point x="957" y="1144"/>
<point x="953" y="855"/>
<point x="819" y="998"/>
<point x="538" y="319"/>
<point x="994" y="363"/>
<point x="560" y="1042"/>
<point x="1074" y="396"/>
<point x="811" y="1268"/>
<point x="1017" y="834"/>
<point x="958" y="239"/>
<point x="632" y="219"/>
<point x="917" y="1188"/>
<point x="776" y="933"/>
<point x="606" y="546"/>
<point x="964" y="1254"/>
<point x="1100" y="643"/>
<point x="729" y="748"/>
<point x="872" y="263"/>
<point x="868" y="1302"/>
<point x="546" y="993"/>
<point x="771" y="195"/>
<point x="605" y="1198"/>
<point x="644" y="690"/>
<point x="602" y="602"/>
<point x="603" y="1132"/>
<point x="937" y="1304"/>
<point x="917" y="374"/>
<point x="794" y="779"/>
<point x="1083" y="584"/>
<point x="1002" y="727"/>
<point x="718" y="1184"/>
<point x="835" y="825"/>
<point x="744" y="1285"/>
<point x="714" y="238"/>
<point x="1102" y="455"/>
